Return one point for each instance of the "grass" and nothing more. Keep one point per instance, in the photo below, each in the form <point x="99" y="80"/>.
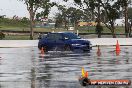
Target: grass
<point x="16" y="37"/>
<point x="90" y="29"/>
<point x="14" y="28"/>
<point x="118" y="30"/>
<point x="19" y="37"/>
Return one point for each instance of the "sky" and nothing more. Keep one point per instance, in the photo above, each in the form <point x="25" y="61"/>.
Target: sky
<point x="13" y="7"/>
<point x="18" y="8"/>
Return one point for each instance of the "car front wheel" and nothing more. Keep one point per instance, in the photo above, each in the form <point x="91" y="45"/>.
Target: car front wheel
<point x="45" y="49"/>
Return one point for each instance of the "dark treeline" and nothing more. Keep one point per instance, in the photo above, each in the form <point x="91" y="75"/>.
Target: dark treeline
<point x="99" y="11"/>
<point x="14" y="22"/>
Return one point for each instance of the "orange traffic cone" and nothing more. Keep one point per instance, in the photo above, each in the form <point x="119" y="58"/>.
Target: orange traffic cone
<point x="117" y="53"/>
<point x="117" y="46"/>
<point x="83" y="72"/>
<point x="98" y="51"/>
<point x="84" y="80"/>
<point x="86" y="74"/>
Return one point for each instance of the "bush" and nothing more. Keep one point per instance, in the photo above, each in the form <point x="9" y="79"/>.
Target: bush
<point x="2" y="35"/>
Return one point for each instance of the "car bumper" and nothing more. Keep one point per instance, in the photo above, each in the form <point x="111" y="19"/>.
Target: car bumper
<point x="83" y="47"/>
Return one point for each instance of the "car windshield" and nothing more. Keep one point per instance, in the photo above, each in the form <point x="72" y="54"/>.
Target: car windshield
<point x="71" y="36"/>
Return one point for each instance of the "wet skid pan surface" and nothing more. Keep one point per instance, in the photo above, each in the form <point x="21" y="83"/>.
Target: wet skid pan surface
<point x="27" y="68"/>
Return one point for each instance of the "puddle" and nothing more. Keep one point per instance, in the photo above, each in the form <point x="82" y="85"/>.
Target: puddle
<point x="27" y="68"/>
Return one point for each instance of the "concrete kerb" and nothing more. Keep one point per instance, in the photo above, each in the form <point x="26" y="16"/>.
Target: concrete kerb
<point x="94" y="41"/>
<point x="18" y="43"/>
<point x="111" y="41"/>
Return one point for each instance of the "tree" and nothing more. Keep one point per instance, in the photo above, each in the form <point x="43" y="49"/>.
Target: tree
<point x="2" y="35"/>
<point x="124" y="4"/>
<point x="33" y="6"/>
<point x="130" y="21"/>
<point x="129" y="13"/>
<point x="74" y="15"/>
<point x="25" y="21"/>
<point x="63" y="13"/>
<point x="98" y="30"/>
<point x="59" y="20"/>
<point x="67" y="16"/>
<point x="88" y="16"/>
<point x="99" y="6"/>
<point x="111" y="14"/>
<point x="94" y="9"/>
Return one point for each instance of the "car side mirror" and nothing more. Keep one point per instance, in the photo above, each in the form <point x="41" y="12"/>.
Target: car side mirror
<point x="39" y="37"/>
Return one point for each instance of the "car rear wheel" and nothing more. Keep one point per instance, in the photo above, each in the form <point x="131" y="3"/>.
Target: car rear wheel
<point x="39" y="47"/>
<point x="67" y="48"/>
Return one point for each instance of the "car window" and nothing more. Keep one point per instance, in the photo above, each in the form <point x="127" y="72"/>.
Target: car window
<point x="50" y="36"/>
<point x="54" y="36"/>
<point x="58" y="36"/>
<point x="71" y="36"/>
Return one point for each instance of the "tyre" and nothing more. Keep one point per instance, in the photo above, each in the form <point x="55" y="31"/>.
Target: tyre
<point x="39" y="47"/>
<point x="44" y="47"/>
<point x="67" y="48"/>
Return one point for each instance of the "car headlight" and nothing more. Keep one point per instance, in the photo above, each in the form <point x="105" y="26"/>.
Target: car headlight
<point x="90" y="44"/>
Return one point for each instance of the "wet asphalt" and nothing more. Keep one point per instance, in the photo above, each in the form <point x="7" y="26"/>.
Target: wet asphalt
<point x="28" y="68"/>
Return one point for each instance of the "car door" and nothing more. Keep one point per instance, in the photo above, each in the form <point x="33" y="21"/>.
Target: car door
<point x="51" y="42"/>
<point x="59" y="41"/>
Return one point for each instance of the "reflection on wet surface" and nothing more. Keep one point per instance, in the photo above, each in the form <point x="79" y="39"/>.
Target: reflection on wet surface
<point x="27" y="68"/>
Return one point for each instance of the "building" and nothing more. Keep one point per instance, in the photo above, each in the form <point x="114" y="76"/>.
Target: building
<point x="92" y="23"/>
<point x="120" y="22"/>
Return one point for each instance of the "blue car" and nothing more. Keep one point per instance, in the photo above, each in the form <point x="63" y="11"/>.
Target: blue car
<point x="63" y="41"/>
